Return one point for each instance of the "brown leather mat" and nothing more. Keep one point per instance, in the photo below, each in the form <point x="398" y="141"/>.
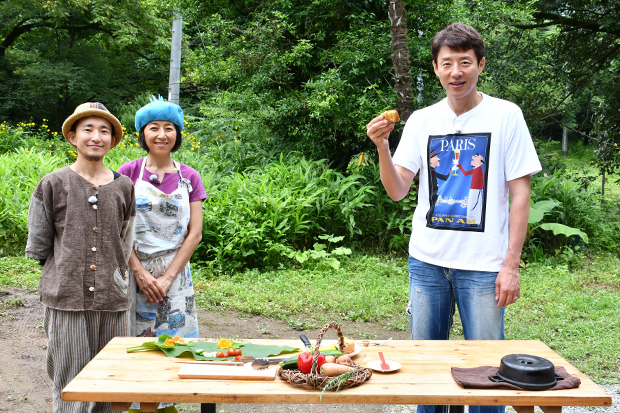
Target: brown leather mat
<point x="478" y="378"/>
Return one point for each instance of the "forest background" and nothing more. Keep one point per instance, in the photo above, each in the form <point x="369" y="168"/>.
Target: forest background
<point x="277" y="95"/>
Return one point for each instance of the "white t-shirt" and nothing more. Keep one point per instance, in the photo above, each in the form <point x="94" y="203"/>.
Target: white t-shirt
<point x="461" y="220"/>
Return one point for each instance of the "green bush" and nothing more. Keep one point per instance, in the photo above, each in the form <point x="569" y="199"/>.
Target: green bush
<point x="20" y="172"/>
<point x="258" y="217"/>
<point x="307" y="87"/>
<point x="581" y="207"/>
<point x="385" y="224"/>
<point x="25" y="135"/>
<point x="233" y="131"/>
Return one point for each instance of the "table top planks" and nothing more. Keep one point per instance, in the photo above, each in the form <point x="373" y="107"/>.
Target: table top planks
<point x="117" y="376"/>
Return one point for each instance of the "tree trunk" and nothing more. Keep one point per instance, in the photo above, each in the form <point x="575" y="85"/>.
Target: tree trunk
<point x="400" y="57"/>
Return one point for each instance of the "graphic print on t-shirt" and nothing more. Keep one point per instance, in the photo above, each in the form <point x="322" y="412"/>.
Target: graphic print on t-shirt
<point x="457" y="173"/>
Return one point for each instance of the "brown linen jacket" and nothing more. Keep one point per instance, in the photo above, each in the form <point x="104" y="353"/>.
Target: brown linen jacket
<point x="86" y="249"/>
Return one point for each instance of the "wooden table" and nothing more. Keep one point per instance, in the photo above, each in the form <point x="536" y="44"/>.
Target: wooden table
<point x="150" y="377"/>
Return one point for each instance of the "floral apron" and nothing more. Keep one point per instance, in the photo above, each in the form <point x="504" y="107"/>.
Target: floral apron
<point x="161" y="228"/>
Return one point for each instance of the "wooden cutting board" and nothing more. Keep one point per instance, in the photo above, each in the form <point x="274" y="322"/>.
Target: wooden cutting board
<point x="219" y="372"/>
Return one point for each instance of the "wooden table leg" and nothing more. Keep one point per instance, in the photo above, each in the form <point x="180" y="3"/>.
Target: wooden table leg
<point x="207" y="407"/>
<point x="551" y="409"/>
<point x="148" y="407"/>
<point x="530" y="409"/>
<point x="120" y="406"/>
<point x="524" y="409"/>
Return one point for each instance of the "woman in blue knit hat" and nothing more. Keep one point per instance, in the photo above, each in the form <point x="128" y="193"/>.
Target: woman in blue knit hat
<point x="168" y="226"/>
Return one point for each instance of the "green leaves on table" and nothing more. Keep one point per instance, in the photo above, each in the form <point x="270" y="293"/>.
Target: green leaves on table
<point x="203" y="350"/>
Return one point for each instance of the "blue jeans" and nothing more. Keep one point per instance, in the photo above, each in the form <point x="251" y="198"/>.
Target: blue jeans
<point x="435" y="292"/>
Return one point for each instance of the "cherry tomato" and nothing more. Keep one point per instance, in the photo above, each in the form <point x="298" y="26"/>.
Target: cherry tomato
<point x="237" y="358"/>
<point x="228" y="353"/>
<point x="237" y="352"/>
<point x="219" y="354"/>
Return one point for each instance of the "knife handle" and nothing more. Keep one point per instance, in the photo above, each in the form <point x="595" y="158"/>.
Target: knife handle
<point x="306" y="342"/>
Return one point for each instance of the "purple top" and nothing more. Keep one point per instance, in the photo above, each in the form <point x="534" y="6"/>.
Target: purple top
<point x="170" y="181"/>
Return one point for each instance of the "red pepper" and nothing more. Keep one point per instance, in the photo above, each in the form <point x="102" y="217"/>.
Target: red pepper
<point x="304" y="362"/>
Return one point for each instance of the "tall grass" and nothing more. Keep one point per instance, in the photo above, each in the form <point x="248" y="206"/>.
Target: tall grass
<point x="20" y="172"/>
<point x="256" y="218"/>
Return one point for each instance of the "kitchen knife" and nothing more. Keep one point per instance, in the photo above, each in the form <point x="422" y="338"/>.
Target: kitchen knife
<point x="262" y="363"/>
<point x="306" y="342"/>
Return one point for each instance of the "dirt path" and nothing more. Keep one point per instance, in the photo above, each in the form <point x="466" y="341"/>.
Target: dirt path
<point x="25" y="386"/>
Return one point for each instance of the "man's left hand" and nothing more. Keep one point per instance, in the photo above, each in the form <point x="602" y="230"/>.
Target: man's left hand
<point x="507" y="287"/>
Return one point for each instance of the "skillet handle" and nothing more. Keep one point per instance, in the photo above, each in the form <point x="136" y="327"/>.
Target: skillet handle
<point x="497" y="379"/>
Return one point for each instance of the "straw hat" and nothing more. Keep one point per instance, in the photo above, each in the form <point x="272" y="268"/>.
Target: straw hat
<point x="93" y="109"/>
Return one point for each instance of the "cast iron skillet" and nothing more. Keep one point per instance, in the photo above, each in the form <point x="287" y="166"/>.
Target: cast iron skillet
<point x="527" y="372"/>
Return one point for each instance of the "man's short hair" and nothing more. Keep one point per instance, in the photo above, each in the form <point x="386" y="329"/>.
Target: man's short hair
<point x="458" y="36"/>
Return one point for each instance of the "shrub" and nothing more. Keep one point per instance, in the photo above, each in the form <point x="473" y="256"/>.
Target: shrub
<point x="257" y="217"/>
<point x="20" y="172"/>
<point x="233" y="131"/>
<point x="25" y="135"/>
<point x="580" y="206"/>
<point x="385" y="224"/>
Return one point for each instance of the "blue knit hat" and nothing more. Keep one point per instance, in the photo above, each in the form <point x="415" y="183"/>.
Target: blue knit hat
<point x="159" y="109"/>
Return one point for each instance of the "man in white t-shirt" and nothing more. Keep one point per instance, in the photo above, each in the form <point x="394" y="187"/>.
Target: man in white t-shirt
<point x="457" y="257"/>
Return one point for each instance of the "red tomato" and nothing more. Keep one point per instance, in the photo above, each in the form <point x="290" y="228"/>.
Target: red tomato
<point x="237" y="358"/>
<point x="228" y="353"/>
<point x="219" y="354"/>
<point x="237" y="352"/>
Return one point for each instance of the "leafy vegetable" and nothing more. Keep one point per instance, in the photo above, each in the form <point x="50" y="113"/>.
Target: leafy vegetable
<point x="203" y="350"/>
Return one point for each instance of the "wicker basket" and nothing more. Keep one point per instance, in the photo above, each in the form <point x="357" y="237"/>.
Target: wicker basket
<point x="316" y="380"/>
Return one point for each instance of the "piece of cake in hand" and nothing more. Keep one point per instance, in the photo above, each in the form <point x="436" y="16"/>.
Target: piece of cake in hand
<point x="391" y="116"/>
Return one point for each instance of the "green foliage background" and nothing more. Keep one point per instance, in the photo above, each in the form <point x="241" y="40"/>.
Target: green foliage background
<point x="277" y="95"/>
<point x="57" y="54"/>
<point x="259" y="215"/>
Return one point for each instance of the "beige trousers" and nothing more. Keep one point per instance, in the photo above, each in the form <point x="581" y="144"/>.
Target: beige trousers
<point x="74" y="338"/>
